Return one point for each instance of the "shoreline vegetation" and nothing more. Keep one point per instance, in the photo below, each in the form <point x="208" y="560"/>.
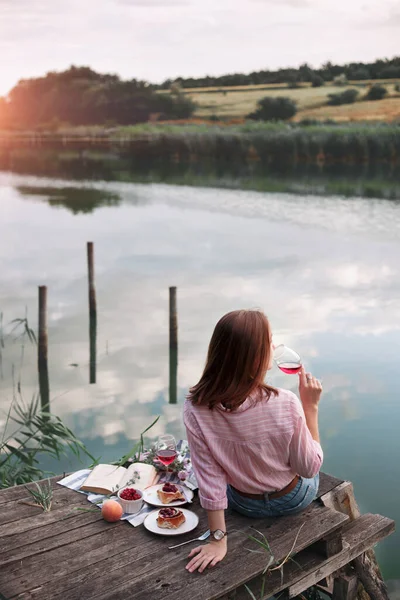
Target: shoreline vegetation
<point x="318" y="158"/>
<point x="270" y="144"/>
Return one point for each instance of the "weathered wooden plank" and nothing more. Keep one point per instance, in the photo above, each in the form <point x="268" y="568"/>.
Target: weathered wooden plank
<point x="57" y="534"/>
<point x="373" y="583"/>
<point x="98" y="573"/>
<point x="345" y="587"/>
<point x="357" y="537"/>
<point x="371" y="529"/>
<point x="139" y="557"/>
<point x="81" y="547"/>
<point x="343" y="499"/>
<point x="17" y="510"/>
<point x="63" y="560"/>
<point x="94" y="565"/>
<point x="13" y="541"/>
<point x="130" y="566"/>
<point x="330" y="545"/>
<point x="214" y="583"/>
<point x="18" y="492"/>
<point x="38" y="569"/>
<point x="42" y="519"/>
<point x="327" y="483"/>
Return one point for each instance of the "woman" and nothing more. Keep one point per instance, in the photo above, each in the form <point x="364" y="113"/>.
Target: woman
<point x="253" y="447"/>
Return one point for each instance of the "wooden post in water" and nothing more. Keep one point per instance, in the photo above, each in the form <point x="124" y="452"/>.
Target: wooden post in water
<point x="173" y="347"/>
<point x="92" y="314"/>
<point x="42" y="351"/>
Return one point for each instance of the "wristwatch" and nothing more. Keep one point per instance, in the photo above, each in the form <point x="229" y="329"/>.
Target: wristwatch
<point x="218" y="534"/>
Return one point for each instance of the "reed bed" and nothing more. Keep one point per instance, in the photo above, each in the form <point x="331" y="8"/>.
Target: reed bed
<point x="270" y="145"/>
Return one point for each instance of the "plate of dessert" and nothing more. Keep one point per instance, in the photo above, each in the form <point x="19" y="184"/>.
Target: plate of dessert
<point x="171" y="521"/>
<point x="167" y="494"/>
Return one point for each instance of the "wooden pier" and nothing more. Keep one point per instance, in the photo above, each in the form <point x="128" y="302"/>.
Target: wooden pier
<point x="69" y="554"/>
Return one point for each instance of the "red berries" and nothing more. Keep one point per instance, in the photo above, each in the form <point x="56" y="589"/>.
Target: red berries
<point x="169" y="488"/>
<point x="168" y="513"/>
<point x="130" y="494"/>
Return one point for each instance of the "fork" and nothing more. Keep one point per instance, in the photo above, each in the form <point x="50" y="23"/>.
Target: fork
<point x="203" y="537"/>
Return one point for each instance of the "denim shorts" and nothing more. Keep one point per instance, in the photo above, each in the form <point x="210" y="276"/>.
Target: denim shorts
<point x="294" y="502"/>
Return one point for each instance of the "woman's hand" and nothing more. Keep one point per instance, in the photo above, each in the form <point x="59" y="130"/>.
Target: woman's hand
<point x="310" y="390"/>
<point x="207" y="556"/>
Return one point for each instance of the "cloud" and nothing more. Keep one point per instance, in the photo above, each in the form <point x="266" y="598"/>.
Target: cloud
<point x="160" y="39"/>
<point x="293" y="3"/>
<point x="154" y="3"/>
<point x="393" y="19"/>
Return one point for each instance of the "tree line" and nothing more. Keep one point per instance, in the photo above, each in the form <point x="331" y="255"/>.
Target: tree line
<point x="356" y="71"/>
<point x="80" y="96"/>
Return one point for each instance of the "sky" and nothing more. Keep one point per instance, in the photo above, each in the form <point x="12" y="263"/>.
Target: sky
<point x="160" y="39"/>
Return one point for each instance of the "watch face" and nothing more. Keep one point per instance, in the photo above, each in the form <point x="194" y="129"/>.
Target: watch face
<point x="218" y="534"/>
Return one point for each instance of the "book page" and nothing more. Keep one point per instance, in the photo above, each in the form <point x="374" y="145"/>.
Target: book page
<point x="147" y="475"/>
<point x="104" y="477"/>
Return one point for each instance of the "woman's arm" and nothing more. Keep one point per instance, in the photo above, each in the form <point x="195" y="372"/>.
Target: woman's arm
<point x="212" y="553"/>
<point x="211" y="479"/>
<point x="305" y="452"/>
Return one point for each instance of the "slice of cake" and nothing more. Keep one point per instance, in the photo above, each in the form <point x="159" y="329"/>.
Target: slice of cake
<point x="170" y="493"/>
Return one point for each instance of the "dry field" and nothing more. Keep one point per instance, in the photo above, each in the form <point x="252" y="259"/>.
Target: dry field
<point x="237" y="102"/>
<point x="381" y="110"/>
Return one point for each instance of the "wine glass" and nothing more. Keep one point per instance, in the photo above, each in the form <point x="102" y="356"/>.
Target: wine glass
<point x="287" y="360"/>
<point x="166" y="449"/>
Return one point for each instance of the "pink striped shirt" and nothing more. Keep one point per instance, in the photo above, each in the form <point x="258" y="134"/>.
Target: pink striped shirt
<point x="258" y="448"/>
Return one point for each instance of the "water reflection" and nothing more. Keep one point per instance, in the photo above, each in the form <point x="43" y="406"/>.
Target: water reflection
<point x="379" y="180"/>
<point x="92" y="347"/>
<point x="326" y="271"/>
<point x="173" y="347"/>
<point x="77" y="200"/>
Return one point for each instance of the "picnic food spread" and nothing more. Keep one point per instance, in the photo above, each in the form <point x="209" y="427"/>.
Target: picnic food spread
<point x="169" y="493"/>
<point x="170" y="518"/>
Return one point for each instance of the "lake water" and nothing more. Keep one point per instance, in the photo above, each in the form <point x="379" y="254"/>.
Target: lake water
<point x="325" y="270"/>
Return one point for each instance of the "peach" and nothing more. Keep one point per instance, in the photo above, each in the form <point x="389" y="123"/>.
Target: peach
<point x="111" y="511"/>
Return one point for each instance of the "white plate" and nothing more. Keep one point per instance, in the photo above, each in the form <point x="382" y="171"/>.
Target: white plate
<point x="150" y="496"/>
<point x="191" y="523"/>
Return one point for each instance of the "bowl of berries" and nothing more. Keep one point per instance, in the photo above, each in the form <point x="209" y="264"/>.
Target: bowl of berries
<point x="131" y="500"/>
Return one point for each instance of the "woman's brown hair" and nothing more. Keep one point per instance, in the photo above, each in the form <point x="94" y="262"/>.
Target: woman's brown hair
<point x="237" y="361"/>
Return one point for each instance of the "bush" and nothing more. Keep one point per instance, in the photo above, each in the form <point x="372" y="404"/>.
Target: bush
<point x="340" y="79"/>
<point x="376" y="92"/>
<point x="346" y="97"/>
<point x="307" y="122"/>
<point x="317" y="81"/>
<point x="274" y="109"/>
<point x="175" y="106"/>
<point x="397" y="87"/>
<point x="292" y="81"/>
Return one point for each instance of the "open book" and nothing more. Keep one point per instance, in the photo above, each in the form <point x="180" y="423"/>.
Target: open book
<point x="106" y="479"/>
